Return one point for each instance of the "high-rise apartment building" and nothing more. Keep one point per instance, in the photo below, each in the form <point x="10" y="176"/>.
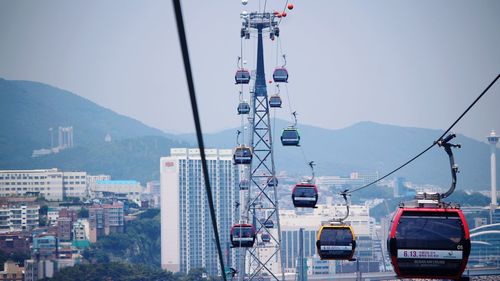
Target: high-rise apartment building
<point x="187" y="237"/>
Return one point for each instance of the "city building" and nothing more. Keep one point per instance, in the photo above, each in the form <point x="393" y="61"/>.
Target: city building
<point x="52" y="184"/>
<point x="355" y="179"/>
<point x="65" y="137"/>
<point x="187" y="239"/>
<point x="18" y="218"/>
<point x="80" y="230"/>
<point x="399" y="187"/>
<point x="91" y="181"/>
<point x="15" y="243"/>
<point x="118" y="189"/>
<point x="105" y="219"/>
<point x="12" y="272"/>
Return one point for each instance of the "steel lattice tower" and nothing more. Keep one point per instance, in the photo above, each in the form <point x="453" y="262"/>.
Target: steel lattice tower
<point x="261" y="200"/>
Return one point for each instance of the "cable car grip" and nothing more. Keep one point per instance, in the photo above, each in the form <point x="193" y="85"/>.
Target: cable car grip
<point x="445" y="143"/>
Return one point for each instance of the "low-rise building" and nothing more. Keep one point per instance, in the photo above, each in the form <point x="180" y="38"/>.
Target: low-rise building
<point x="18" y="218"/>
<point x="52" y="184"/>
<point x="12" y="272"/>
<point x="105" y="219"/>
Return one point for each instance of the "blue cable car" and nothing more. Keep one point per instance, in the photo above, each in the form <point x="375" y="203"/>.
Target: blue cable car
<point x="243" y="108"/>
<point x="275" y="101"/>
<point x="267" y="223"/>
<point x="242" y="155"/>
<point x="272" y="182"/>
<point x="305" y="195"/>
<point x="265" y="237"/>
<point x="280" y="75"/>
<point x="290" y="137"/>
<point x="242" y="76"/>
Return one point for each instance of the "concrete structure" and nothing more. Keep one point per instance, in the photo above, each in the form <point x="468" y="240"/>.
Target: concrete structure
<point x="354" y="180"/>
<point x="187" y="238"/>
<point x="15" y="243"/>
<point x="12" y="272"/>
<point x="18" y="218"/>
<point x="65" y="137"/>
<point x="105" y="219"/>
<point x="52" y="184"/>
<point x="92" y="179"/>
<point x="123" y="189"/>
<point x="493" y="140"/>
<point x="80" y="230"/>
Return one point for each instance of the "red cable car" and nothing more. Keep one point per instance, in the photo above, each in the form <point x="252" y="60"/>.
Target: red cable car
<point x="429" y="243"/>
<point x="430" y="239"/>
<point x="242" y="236"/>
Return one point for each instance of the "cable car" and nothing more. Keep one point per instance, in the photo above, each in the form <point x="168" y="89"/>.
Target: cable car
<point x="242" y="76"/>
<point x="280" y="75"/>
<point x="242" y="155"/>
<point x="272" y="182"/>
<point x="243" y="108"/>
<point x="336" y="242"/>
<point x="429" y="243"/>
<point x="430" y="238"/>
<point x="275" y="101"/>
<point x="267" y="223"/>
<point x="290" y="137"/>
<point x="305" y="195"/>
<point x="265" y="237"/>
<point x="242" y="235"/>
<point x="244" y="184"/>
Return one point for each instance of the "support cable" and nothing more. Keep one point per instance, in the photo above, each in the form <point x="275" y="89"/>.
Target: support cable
<point x="199" y="135"/>
<point x="434" y="143"/>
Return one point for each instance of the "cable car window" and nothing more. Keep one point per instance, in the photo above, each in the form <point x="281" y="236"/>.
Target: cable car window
<point x="289" y="134"/>
<point x="304" y="192"/>
<point x="429" y="232"/>
<point x="336" y="236"/>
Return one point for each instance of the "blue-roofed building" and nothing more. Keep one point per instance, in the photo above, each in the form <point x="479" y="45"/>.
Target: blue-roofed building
<point x="120" y="189"/>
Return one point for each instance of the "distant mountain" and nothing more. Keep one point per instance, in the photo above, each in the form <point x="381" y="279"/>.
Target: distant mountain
<point x="29" y="109"/>
<point x="369" y="147"/>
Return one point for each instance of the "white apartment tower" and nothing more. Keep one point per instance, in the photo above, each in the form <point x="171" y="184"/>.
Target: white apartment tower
<point x="187" y="237"/>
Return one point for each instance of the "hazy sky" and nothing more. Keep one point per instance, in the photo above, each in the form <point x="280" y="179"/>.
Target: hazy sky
<point x="408" y="63"/>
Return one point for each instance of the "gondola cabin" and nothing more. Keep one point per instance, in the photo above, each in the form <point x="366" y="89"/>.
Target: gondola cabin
<point x="265" y="237"/>
<point x="242" y="76"/>
<point x="280" y="75"/>
<point x="305" y="195"/>
<point x="429" y="243"/>
<point x="267" y="223"/>
<point x="336" y="242"/>
<point x="242" y="236"/>
<point x="290" y="137"/>
<point x="243" y="108"/>
<point x="275" y="101"/>
<point x="242" y="155"/>
<point x="272" y="182"/>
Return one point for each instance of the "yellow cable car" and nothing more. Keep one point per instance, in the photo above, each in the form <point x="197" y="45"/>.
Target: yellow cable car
<point x="336" y="242"/>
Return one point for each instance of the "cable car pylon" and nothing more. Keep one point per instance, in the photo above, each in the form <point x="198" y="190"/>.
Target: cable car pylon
<point x="264" y="259"/>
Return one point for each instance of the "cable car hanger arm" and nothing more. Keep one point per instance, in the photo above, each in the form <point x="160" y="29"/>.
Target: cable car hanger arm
<point x="445" y="143"/>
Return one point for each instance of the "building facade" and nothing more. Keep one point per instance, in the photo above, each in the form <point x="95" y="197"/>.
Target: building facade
<point x="18" y="218"/>
<point x="105" y="219"/>
<point x="52" y="184"/>
<point x="187" y="237"/>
